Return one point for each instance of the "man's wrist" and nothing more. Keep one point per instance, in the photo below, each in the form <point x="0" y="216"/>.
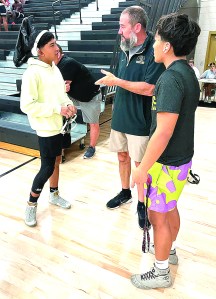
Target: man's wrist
<point x="118" y="82"/>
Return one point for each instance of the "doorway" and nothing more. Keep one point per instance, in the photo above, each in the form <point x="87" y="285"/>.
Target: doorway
<point x="211" y="49"/>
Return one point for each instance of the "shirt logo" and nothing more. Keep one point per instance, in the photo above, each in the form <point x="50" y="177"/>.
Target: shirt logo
<point x="153" y="103"/>
<point x="140" y="59"/>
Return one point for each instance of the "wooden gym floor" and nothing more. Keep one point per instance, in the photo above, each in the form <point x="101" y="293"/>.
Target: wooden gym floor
<point x="90" y="251"/>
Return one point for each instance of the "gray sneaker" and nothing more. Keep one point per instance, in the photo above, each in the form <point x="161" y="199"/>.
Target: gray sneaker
<point x="56" y="199"/>
<point x="155" y="278"/>
<point x="173" y="258"/>
<point x="30" y="214"/>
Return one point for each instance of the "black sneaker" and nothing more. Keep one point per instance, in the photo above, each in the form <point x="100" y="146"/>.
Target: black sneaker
<point x="63" y="159"/>
<point x="142" y="217"/>
<point x="119" y="200"/>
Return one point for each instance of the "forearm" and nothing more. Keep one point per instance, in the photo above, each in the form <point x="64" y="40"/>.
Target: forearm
<point x="142" y="88"/>
<point x="203" y="75"/>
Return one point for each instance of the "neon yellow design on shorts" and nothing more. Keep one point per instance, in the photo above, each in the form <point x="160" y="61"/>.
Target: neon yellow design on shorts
<point x="165" y="185"/>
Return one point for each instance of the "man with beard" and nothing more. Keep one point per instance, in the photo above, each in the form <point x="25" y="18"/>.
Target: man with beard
<point x="136" y="76"/>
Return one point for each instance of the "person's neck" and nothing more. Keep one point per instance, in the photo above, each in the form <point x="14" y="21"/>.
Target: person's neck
<point x="45" y="60"/>
<point x="172" y="58"/>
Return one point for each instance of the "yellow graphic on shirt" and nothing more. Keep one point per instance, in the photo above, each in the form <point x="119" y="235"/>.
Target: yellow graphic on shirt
<point x="140" y="59"/>
<point x="154" y="103"/>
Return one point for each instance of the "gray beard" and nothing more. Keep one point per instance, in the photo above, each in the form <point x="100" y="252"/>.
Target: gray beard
<point x="129" y="43"/>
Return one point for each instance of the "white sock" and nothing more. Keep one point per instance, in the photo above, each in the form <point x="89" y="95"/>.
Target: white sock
<point x="173" y="245"/>
<point x="162" y="264"/>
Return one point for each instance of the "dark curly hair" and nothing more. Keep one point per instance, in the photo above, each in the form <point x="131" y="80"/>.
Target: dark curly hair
<point x="180" y="31"/>
<point x="45" y="38"/>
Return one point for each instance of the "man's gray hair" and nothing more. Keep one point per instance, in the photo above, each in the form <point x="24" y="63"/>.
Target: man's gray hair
<point x="137" y="15"/>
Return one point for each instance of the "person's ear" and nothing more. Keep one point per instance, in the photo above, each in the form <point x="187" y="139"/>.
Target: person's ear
<point x="166" y="47"/>
<point x="40" y="52"/>
<point x="137" y="27"/>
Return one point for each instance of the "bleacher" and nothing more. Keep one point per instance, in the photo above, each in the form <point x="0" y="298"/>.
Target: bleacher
<point x="90" y="41"/>
<point x="99" y="55"/>
<point x="74" y="39"/>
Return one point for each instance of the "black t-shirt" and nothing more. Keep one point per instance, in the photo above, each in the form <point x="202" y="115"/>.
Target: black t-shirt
<point x="82" y="87"/>
<point x="177" y="91"/>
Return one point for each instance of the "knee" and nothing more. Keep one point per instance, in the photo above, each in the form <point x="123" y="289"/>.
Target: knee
<point x="158" y="220"/>
<point x="47" y="168"/>
<point x="41" y="178"/>
<point x="123" y="157"/>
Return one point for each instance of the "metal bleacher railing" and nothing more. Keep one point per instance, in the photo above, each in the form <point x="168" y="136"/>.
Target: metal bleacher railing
<point x="155" y="9"/>
<point x="58" y="12"/>
<point x="109" y="91"/>
<point x="80" y="11"/>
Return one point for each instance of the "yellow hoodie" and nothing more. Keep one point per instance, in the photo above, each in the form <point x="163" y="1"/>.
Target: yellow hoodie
<point x="42" y="95"/>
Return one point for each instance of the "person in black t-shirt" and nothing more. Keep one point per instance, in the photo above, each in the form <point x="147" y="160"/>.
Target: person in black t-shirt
<point x="84" y="94"/>
<point x="168" y="157"/>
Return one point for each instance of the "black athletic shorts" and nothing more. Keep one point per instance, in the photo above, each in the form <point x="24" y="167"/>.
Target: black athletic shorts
<point x="66" y="140"/>
<point x="50" y="146"/>
<point x="2" y="11"/>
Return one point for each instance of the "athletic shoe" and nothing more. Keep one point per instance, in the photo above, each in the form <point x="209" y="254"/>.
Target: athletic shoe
<point x="90" y="152"/>
<point x="30" y="214"/>
<point x="173" y="258"/>
<point x="57" y="200"/>
<point x="155" y="278"/>
<point x="209" y="100"/>
<point x="119" y="200"/>
<point x="142" y="217"/>
<point x="63" y="158"/>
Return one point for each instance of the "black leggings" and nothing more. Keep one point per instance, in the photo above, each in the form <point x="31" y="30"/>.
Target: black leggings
<point x="45" y="172"/>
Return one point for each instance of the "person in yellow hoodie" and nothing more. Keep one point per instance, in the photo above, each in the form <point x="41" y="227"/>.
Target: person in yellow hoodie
<point x="45" y="101"/>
